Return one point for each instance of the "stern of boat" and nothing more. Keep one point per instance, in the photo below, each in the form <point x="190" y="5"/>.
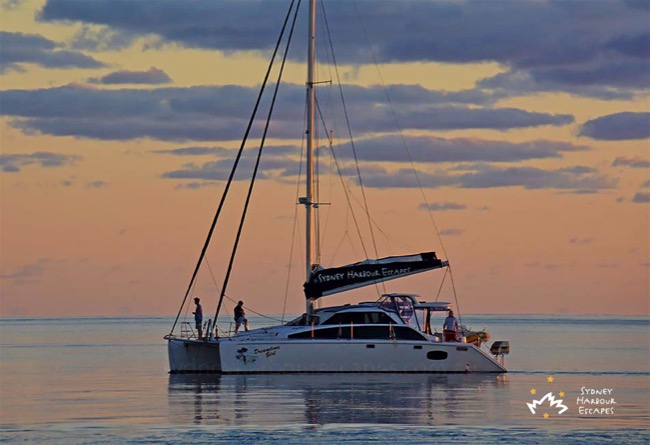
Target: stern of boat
<point x="193" y="356"/>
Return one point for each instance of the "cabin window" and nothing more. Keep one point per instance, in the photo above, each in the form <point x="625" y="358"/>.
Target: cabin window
<point x="359" y="318"/>
<point x="437" y="355"/>
<point x="406" y="333"/>
<point x="302" y="321"/>
<point x="385" y="332"/>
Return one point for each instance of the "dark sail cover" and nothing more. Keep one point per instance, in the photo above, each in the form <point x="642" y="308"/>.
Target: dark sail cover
<point x="338" y="279"/>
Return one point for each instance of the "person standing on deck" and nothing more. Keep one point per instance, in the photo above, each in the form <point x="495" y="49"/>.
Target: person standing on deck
<point x="240" y="317"/>
<point x="450" y="328"/>
<point x="198" y="317"/>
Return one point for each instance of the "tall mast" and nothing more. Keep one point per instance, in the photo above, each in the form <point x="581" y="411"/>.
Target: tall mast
<point x="311" y="99"/>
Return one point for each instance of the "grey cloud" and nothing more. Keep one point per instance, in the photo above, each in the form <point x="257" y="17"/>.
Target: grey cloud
<point x="102" y="38"/>
<point x="618" y="127"/>
<point x="451" y="232"/>
<point x="13" y="163"/>
<point x="96" y="184"/>
<point x="272" y="150"/>
<point x="641" y="197"/>
<point x="220" y="170"/>
<point x="488" y="176"/>
<point x="194" y="151"/>
<point x="579" y="240"/>
<point x="535" y="178"/>
<point x="556" y="42"/>
<point x="7" y="5"/>
<point x="646" y="184"/>
<point x="442" y="206"/>
<point x="636" y="162"/>
<point x="435" y="149"/>
<point x="17" y="48"/>
<point x="28" y="273"/>
<point x="153" y="76"/>
<point x="520" y="82"/>
<point x="220" y="113"/>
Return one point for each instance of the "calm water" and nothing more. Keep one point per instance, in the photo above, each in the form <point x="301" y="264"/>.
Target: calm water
<point x="105" y="381"/>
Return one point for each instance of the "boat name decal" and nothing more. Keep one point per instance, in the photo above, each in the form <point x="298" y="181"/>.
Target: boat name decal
<point x="352" y="274"/>
<point x="267" y="351"/>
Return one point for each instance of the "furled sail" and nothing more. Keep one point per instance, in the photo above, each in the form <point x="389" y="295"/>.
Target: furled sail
<point x="330" y="281"/>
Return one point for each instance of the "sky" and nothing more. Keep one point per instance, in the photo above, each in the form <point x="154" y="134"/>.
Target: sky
<point x="526" y="123"/>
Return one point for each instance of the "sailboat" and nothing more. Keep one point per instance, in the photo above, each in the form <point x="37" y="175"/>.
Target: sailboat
<point x="391" y="334"/>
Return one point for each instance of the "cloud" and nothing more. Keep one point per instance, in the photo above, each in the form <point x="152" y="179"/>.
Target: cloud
<point x="618" y="127"/>
<point x="17" y="48"/>
<point x="641" y="197"/>
<point x="435" y="149"/>
<point x="195" y="151"/>
<point x="451" y="232"/>
<point x="489" y="176"/>
<point x="195" y="185"/>
<point x="102" y="38"/>
<point x="12" y="163"/>
<point x="522" y="83"/>
<point x="153" y="76"/>
<point x="96" y="184"/>
<point x="7" y="5"/>
<point x="636" y="162"/>
<point x="556" y="44"/>
<point x="579" y="240"/>
<point x="220" y="170"/>
<point x="269" y="150"/>
<point x="442" y="206"/>
<point x="536" y="178"/>
<point x="28" y="273"/>
<point x="221" y="113"/>
<point x="646" y="184"/>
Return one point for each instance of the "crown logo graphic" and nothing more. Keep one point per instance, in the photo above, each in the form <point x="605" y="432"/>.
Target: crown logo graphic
<point x="551" y="401"/>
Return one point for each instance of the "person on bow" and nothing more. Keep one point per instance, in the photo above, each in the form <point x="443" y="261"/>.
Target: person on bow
<point x="198" y="317"/>
<point x="240" y="317"/>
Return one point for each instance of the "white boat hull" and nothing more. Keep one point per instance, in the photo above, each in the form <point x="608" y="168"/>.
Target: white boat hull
<point x="241" y="356"/>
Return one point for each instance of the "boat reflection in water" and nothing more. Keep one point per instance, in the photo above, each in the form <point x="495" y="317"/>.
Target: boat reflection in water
<point x="265" y="399"/>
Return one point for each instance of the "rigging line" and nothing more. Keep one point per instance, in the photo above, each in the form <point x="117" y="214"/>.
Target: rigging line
<point x="441" y="283"/>
<point x="259" y="156"/>
<point x="295" y="218"/>
<point x="251" y="310"/>
<point x="346" y="190"/>
<point x="406" y="149"/>
<point x="347" y="195"/>
<point x="453" y="287"/>
<point x="347" y="121"/>
<point x="401" y="134"/>
<point x="234" y="168"/>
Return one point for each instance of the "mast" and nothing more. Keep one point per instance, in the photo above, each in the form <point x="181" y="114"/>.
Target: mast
<point x="311" y="99"/>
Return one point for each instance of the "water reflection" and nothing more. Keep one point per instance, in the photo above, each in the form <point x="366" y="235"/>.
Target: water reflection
<point x="337" y="398"/>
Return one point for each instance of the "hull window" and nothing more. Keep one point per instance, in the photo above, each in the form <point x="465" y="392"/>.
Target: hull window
<point x="437" y="355"/>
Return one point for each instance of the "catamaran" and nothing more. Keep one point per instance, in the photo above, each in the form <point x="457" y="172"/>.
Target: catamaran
<point x="390" y="334"/>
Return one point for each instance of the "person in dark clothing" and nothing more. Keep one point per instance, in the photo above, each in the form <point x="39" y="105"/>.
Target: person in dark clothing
<point x="240" y="317"/>
<point x="198" y="317"/>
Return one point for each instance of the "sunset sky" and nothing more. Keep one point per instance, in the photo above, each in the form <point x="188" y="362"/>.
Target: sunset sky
<point x="527" y="122"/>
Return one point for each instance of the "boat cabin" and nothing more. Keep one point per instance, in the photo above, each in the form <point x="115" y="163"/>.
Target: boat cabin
<point x="395" y="316"/>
